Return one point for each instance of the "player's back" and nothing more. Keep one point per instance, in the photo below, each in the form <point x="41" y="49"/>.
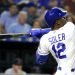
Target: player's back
<point x="62" y="46"/>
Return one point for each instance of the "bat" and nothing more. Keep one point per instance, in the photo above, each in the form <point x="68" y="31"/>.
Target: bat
<point x="12" y="35"/>
<point x="34" y="32"/>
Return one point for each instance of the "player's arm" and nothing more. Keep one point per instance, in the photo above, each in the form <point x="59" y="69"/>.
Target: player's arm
<point x="42" y="51"/>
<point x="39" y="32"/>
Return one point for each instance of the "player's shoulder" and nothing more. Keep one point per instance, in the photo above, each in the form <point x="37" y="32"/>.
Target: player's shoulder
<point x="69" y="24"/>
<point x="46" y="36"/>
<point x="44" y="41"/>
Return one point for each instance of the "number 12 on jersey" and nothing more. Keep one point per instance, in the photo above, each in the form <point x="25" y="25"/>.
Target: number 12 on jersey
<point x="60" y="48"/>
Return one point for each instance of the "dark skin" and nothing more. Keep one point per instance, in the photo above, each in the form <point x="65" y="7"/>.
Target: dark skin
<point x="60" y="23"/>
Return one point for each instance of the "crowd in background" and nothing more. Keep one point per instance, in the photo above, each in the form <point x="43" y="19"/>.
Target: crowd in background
<point x="20" y="16"/>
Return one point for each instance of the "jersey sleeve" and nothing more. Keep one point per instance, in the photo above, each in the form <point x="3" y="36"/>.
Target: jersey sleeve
<point x="43" y="46"/>
<point x="42" y="51"/>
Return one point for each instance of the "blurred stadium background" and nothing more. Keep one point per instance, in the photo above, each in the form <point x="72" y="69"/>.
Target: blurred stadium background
<point x="25" y="47"/>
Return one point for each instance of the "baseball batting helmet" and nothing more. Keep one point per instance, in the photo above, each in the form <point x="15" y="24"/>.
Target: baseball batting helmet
<point x="54" y="14"/>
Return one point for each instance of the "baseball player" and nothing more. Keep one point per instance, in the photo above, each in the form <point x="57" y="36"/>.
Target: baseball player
<point x="60" y="42"/>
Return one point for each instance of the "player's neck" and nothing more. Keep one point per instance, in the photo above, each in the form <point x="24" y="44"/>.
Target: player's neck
<point x="57" y="26"/>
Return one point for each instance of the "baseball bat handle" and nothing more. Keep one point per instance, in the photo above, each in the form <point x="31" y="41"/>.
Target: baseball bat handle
<point x="11" y="35"/>
<point x="34" y="32"/>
